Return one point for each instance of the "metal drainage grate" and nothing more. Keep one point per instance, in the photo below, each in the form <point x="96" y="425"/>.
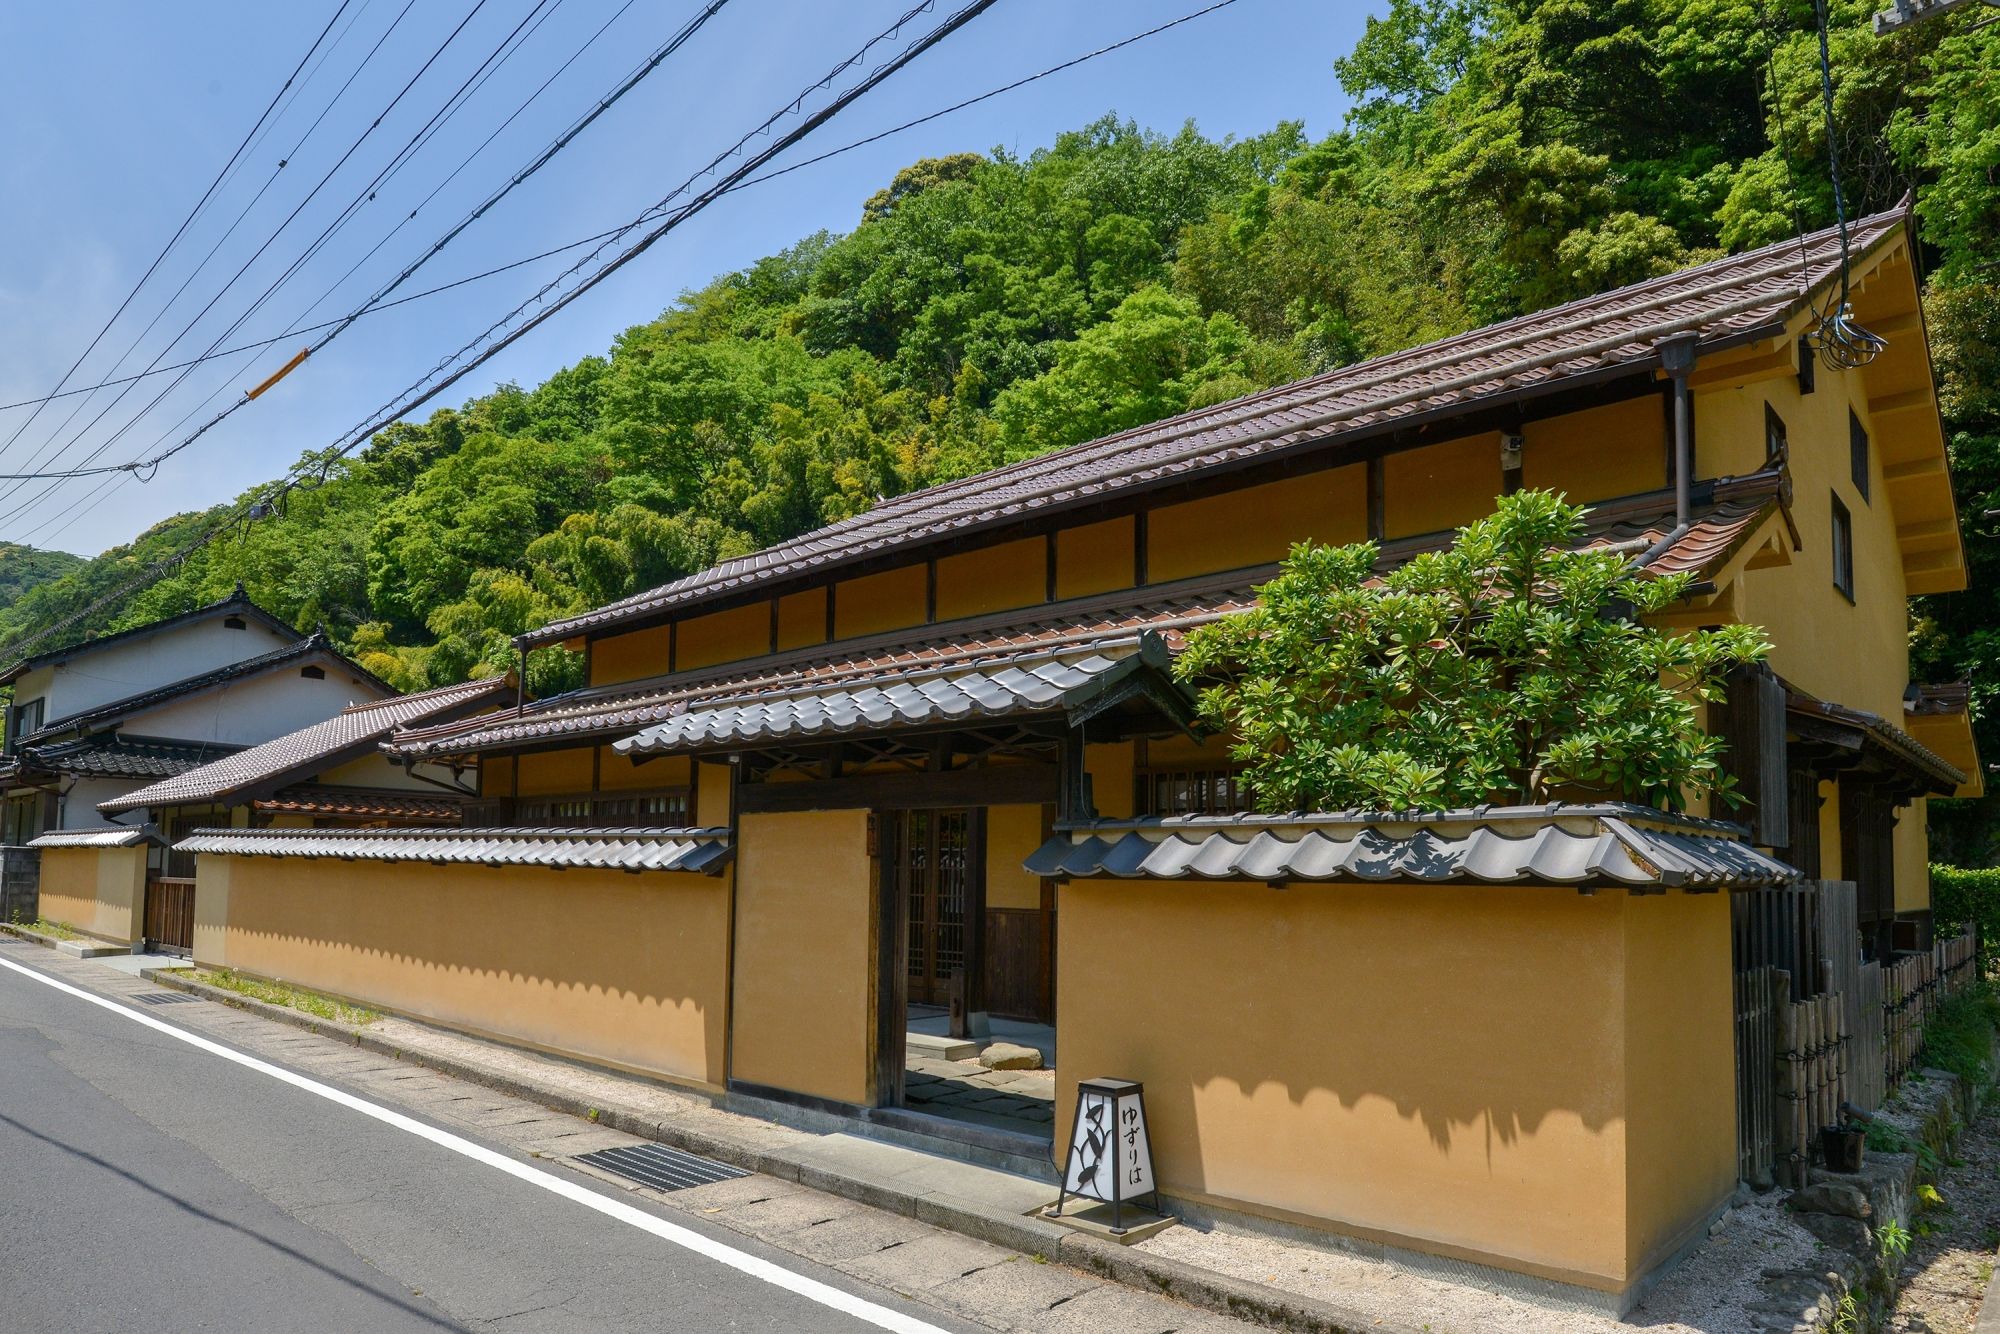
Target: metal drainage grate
<point x="660" y="1167"/>
<point x="163" y="997"/>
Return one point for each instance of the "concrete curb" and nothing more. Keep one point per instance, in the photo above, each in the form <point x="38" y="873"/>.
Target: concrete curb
<point x="1199" y="1287"/>
<point x="83" y="948"/>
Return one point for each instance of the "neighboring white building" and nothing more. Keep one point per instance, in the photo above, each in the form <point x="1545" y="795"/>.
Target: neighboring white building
<point x="92" y="722"/>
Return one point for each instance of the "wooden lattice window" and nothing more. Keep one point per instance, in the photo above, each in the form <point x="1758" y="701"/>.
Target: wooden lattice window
<point x="1192" y="790"/>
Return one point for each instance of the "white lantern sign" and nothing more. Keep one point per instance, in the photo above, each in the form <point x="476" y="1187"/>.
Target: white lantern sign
<point x="1110" y="1156"/>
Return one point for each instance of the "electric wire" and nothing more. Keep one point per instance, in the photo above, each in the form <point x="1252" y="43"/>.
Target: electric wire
<point x="269" y="241"/>
<point x="267" y="498"/>
<point x="186" y="222"/>
<point x="1842" y="343"/>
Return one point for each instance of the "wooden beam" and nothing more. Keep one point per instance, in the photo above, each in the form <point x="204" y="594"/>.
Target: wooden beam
<point x="1771" y="365"/>
<point x="999" y="785"/>
<point x="1910" y="532"/>
<point x="1925" y="465"/>
<point x="1903" y="402"/>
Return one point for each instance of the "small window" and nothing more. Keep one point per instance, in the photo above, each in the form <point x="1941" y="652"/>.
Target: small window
<point x="1776" y="441"/>
<point x="27" y="720"/>
<point x="1857" y="451"/>
<point x="313" y="673"/>
<point x="235" y="623"/>
<point x="1808" y="364"/>
<point x="1192" y="791"/>
<point x="1843" y="549"/>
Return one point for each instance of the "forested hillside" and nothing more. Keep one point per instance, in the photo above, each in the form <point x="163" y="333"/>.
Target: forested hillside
<point x="1503" y="155"/>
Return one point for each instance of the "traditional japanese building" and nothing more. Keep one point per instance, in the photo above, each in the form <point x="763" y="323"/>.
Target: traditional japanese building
<point x="933" y="758"/>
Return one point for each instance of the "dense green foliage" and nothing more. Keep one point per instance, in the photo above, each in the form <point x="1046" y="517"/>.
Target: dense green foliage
<point x="1962" y="898"/>
<point x="1502" y="155"/>
<point x="1489" y="671"/>
<point x="23" y="568"/>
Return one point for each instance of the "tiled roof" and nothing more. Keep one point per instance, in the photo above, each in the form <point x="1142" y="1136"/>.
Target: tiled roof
<point x="95" y="838"/>
<point x="114" y="755"/>
<point x="1033" y="683"/>
<point x="237" y="602"/>
<point x="1934" y="700"/>
<point x="1614" y="844"/>
<point x="1725" y="302"/>
<point x="705" y="851"/>
<point x="1899" y="748"/>
<point x="349" y="734"/>
<point x="362" y="803"/>
<point x="314" y="645"/>
<point x="1725" y="514"/>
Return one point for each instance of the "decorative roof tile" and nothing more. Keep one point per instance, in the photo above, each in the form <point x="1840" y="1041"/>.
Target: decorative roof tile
<point x="362" y="803"/>
<point x="706" y="851"/>
<point x="1613" y="845"/>
<point x="1724" y="302"/>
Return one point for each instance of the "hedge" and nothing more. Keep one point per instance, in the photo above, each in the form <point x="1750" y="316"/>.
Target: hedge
<point x="1961" y="898"/>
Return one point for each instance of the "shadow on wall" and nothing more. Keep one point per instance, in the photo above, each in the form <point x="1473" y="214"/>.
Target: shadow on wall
<point x="604" y="964"/>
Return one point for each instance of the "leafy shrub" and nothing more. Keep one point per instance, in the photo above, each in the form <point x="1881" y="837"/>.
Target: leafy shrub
<point x="1962" y="897"/>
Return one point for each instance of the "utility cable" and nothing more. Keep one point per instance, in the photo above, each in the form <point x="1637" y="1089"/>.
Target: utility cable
<point x="267" y="498"/>
<point x="188" y="221"/>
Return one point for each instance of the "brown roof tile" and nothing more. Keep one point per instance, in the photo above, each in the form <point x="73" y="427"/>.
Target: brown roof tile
<point x="297" y="754"/>
<point x="1724" y="302"/>
<point x="1726" y="513"/>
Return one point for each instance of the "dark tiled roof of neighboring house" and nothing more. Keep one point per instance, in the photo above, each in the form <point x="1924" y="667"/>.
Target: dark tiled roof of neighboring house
<point x="316" y="645"/>
<point x="706" y="851"/>
<point x="237" y="603"/>
<point x="1726" y="302"/>
<point x="114" y="755"/>
<point x="372" y="803"/>
<point x="1613" y="844"/>
<point x="1725" y="515"/>
<point x="349" y="734"/>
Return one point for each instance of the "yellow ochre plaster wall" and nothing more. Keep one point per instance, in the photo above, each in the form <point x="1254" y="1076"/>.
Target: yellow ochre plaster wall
<point x="1257" y="525"/>
<point x="1012" y="835"/>
<point x="1013" y="574"/>
<point x="1443" y="1067"/>
<point x="1619" y="449"/>
<point x="1096" y="558"/>
<point x="1446" y="485"/>
<point x="891" y="600"/>
<point x="805" y="960"/>
<point x="723" y="636"/>
<point x="630" y="657"/>
<point x="802" y="619"/>
<point x="553" y="771"/>
<point x="630" y="970"/>
<point x="99" y="891"/>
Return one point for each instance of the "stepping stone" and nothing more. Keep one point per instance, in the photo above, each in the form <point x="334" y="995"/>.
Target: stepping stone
<point x="1010" y="1056"/>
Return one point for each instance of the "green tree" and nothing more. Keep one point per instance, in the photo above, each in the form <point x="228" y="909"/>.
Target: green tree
<point x="1510" y="666"/>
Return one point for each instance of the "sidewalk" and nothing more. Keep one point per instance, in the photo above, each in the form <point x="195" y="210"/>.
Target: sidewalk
<point x="980" y="1203"/>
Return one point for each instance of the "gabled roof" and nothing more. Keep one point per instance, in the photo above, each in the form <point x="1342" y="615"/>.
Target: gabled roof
<point x="1871" y="736"/>
<point x="1727" y="302"/>
<point x="349" y="734"/>
<point x="1725" y="514"/>
<point x="316" y="645"/>
<point x="238" y="603"/>
<point x="1613" y="844"/>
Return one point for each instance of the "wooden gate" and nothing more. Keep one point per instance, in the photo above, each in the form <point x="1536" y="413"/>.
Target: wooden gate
<point x="170" y="914"/>
<point x="937" y="858"/>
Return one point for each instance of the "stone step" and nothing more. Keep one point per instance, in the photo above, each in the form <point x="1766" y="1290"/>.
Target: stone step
<point x="942" y="1048"/>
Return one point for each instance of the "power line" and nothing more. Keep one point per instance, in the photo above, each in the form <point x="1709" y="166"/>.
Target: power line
<point x="265" y="501"/>
<point x="612" y="232"/>
<point x="188" y="221"/>
<point x="335" y="328"/>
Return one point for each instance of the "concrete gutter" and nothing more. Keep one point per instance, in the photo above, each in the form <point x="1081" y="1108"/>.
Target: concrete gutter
<point x="1199" y="1287"/>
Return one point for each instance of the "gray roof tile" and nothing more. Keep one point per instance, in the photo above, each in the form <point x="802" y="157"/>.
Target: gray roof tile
<point x="1613" y="844"/>
<point x="705" y="851"/>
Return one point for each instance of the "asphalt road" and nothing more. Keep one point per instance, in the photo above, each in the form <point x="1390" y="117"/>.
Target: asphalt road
<point x="146" y="1183"/>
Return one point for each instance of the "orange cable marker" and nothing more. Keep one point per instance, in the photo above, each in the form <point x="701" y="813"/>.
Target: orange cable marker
<point x="280" y="373"/>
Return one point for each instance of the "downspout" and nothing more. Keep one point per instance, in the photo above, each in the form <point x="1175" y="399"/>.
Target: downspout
<point x="1677" y="359"/>
<point x="521" y="677"/>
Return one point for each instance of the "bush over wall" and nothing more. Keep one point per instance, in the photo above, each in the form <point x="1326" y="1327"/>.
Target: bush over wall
<point x="1962" y="898"/>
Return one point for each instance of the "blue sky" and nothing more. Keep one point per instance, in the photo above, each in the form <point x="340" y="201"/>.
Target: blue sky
<point x="118" y="115"/>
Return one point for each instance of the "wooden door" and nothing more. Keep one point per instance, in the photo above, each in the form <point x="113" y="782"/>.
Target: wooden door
<point x="170" y="914"/>
<point x="936" y="864"/>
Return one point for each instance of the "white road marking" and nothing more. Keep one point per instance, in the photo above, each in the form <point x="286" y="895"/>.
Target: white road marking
<point x="756" y="1267"/>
